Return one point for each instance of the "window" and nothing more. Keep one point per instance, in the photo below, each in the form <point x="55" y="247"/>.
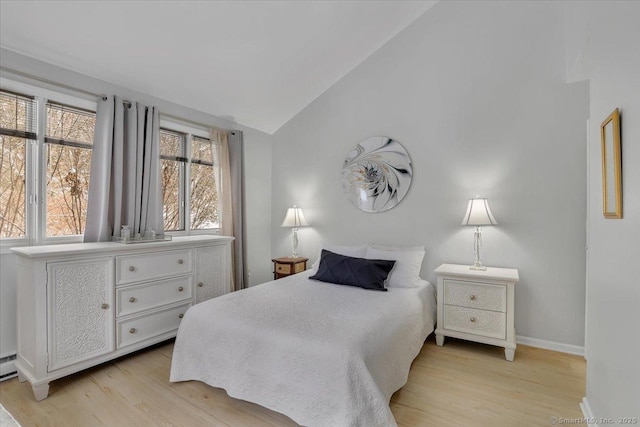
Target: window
<point x="69" y="141"/>
<point x="46" y="143"/>
<point x="17" y="128"/>
<point x="188" y="180"/>
<point x="204" y="195"/>
<point x="46" y="140"/>
<point x="172" y="160"/>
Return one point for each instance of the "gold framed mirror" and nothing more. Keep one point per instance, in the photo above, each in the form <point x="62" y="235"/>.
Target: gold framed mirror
<point x="611" y="166"/>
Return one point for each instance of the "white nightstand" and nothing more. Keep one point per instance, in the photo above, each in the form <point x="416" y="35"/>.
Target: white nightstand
<point x="477" y="305"/>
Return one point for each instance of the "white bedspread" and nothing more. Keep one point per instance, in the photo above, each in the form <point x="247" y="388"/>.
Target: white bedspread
<point x="322" y="354"/>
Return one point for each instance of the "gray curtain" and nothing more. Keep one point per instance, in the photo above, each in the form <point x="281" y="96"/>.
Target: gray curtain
<point x="236" y="169"/>
<point x="125" y="171"/>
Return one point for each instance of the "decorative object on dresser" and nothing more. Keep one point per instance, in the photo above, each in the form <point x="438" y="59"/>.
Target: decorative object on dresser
<point x="295" y="219"/>
<point x="376" y="175"/>
<point x="286" y="266"/>
<point x="478" y="214"/>
<point x="83" y="304"/>
<point x="611" y="166"/>
<point x="477" y="305"/>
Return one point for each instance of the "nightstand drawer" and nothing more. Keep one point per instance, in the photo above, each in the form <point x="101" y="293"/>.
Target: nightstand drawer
<point x="283" y="268"/>
<point x="287" y="266"/>
<point x="475" y="295"/>
<point x="480" y="322"/>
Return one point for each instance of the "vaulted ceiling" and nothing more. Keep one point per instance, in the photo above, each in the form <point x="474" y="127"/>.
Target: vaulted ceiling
<point x="256" y="62"/>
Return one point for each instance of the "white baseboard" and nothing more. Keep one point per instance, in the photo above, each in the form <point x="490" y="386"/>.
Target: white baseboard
<point x="551" y="345"/>
<point x="586" y="411"/>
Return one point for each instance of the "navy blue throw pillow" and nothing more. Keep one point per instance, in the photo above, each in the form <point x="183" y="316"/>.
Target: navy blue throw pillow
<point x="346" y="270"/>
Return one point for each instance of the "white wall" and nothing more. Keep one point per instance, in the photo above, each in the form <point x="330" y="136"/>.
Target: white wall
<point x="257" y="164"/>
<point x="257" y="154"/>
<point x="613" y="317"/>
<point x="475" y="92"/>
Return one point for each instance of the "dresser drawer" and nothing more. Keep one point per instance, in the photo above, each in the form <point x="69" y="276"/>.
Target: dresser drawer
<point x="134" y="299"/>
<point x="480" y="322"/>
<point x="140" y="328"/>
<point x="137" y="268"/>
<point x="475" y="295"/>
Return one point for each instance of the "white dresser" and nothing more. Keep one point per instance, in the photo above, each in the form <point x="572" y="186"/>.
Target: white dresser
<point x="82" y="304"/>
<point x="477" y="305"/>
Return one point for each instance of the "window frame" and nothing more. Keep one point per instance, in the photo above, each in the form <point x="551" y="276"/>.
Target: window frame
<point x="13" y="241"/>
<point x="35" y="168"/>
<point x="182" y="161"/>
<point x="189" y="131"/>
<point x="42" y="172"/>
<point x="216" y="230"/>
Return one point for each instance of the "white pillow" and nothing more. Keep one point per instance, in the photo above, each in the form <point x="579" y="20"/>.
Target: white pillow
<point x="357" y="251"/>
<point x="406" y="271"/>
<point x="396" y="248"/>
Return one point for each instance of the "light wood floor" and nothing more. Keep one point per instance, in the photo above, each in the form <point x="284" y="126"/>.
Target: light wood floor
<point x="460" y="384"/>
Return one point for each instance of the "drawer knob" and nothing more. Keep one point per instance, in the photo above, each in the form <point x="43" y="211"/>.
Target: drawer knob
<point x="180" y="289"/>
<point x="180" y="261"/>
<point x="472" y="297"/>
<point x="132" y="268"/>
<point x="180" y="315"/>
<point x="473" y="320"/>
<point x="200" y="284"/>
<point x="132" y="330"/>
<point x="104" y="306"/>
<point x="132" y="299"/>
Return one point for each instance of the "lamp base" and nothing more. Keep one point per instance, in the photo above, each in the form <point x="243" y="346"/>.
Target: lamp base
<point x="477" y="244"/>
<point x="295" y="243"/>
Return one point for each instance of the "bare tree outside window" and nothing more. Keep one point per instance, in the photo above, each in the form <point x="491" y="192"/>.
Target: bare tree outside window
<point x="12" y="187"/>
<point x="204" y="194"/>
<point x="17" y="126"/>
<point x="69" y="139"/>
<point x="172" y="159"/>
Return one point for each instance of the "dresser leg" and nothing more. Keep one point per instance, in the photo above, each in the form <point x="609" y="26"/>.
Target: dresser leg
<point x="21" y="377"/>
<point x="40" y="392"/>
<point x="509" y="353"/>
<point x="439" y="340"/>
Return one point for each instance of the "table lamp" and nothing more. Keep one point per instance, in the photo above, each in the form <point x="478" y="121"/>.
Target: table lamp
<point x="478" y="214"/>
<point x="294" y="218"/>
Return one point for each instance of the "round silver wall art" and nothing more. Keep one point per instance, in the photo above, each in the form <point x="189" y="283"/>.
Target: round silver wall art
<point x="376" y="174"/>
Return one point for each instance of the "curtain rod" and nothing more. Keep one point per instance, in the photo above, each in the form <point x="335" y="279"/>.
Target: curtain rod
<point x="96" y="95"/>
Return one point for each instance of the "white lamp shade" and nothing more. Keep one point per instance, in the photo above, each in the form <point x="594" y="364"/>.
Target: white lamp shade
<point x="478" y="213"/>
<point x="294" y="218"/>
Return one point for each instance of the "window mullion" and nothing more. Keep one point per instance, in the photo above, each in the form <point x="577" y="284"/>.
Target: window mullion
<point x="39" y="207"/>
<point x="185" y="184"/>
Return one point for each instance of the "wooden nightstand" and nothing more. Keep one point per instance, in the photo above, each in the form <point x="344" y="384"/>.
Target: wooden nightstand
<point x="286" y="266"/>
<point x="477" y="305"/>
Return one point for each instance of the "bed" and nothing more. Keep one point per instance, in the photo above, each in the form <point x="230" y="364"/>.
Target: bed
<point x="320" y="353"/>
